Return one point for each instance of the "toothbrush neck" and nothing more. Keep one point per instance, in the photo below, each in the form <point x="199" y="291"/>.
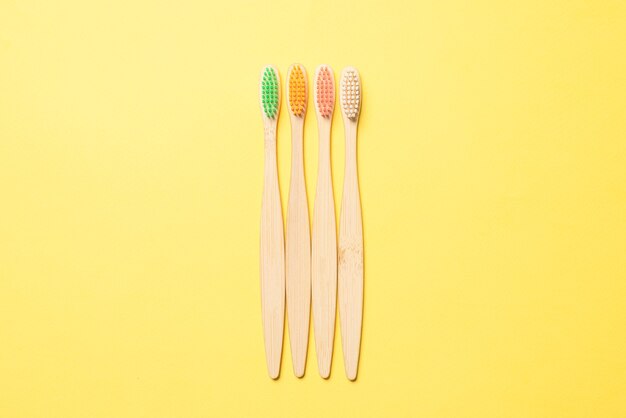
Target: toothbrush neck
<point x="297" y="135"/>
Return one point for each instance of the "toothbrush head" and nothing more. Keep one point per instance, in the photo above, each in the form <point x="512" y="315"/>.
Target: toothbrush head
<point x="297" y="87"/>
<point x="270" y="92"/>
<point x="325" y="91"/>
<point x="350" y="93"/>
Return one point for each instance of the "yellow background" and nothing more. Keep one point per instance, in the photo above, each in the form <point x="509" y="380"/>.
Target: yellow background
<point x="492" y="152"/>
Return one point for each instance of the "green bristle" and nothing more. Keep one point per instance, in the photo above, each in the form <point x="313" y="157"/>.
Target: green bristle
<point x="269" y="93"/>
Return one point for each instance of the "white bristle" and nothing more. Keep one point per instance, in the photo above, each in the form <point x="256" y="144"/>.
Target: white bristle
<point x="350" y="93"/>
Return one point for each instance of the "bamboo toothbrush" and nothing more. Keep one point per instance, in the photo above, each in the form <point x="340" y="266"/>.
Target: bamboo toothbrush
<point x="350" y="230"/>
<point x="324" y="254"/>
<point x="298" y="237"/>
<point x="272" y="239"/>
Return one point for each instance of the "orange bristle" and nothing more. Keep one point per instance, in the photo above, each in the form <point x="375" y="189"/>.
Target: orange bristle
<point x="297" y="91"/>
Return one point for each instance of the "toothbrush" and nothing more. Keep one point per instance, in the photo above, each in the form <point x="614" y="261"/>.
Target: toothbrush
<point x="272" y="239"/>
<point x="324" y="254"/>
<point x="298" y="250"/>
<point x="350" y="281"/>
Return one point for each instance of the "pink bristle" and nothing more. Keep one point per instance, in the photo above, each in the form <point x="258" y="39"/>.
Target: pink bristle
<point x="325" y="92"/>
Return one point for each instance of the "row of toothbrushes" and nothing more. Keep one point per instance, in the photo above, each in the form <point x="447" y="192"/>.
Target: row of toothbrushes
<point x="307" y="268"/>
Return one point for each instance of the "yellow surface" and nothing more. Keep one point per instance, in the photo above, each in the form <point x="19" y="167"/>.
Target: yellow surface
<point x="492" y="150"/>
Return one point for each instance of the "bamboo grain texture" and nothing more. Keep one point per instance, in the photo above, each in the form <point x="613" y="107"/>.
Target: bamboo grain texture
<point x="324" y="258"/>
<point x="350" y="271"/>
<point x="298" y="254"/>
<point x="272" y="254"/>
<point x="324" y="238"/>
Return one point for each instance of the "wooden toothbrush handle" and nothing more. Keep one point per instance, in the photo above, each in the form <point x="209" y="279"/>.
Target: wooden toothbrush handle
<point x="351" y="260"/>
<point x="272" y="259"/>
<point x="324" y="258"/>
<point x="298" y="253"/>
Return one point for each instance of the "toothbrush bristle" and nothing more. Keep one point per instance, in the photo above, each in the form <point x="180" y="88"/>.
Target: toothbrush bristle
<point x="269" y="93"/>
<point x="297" y="91"/>
<point x="350" y="93"/>
<point x="325" y="93"/>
